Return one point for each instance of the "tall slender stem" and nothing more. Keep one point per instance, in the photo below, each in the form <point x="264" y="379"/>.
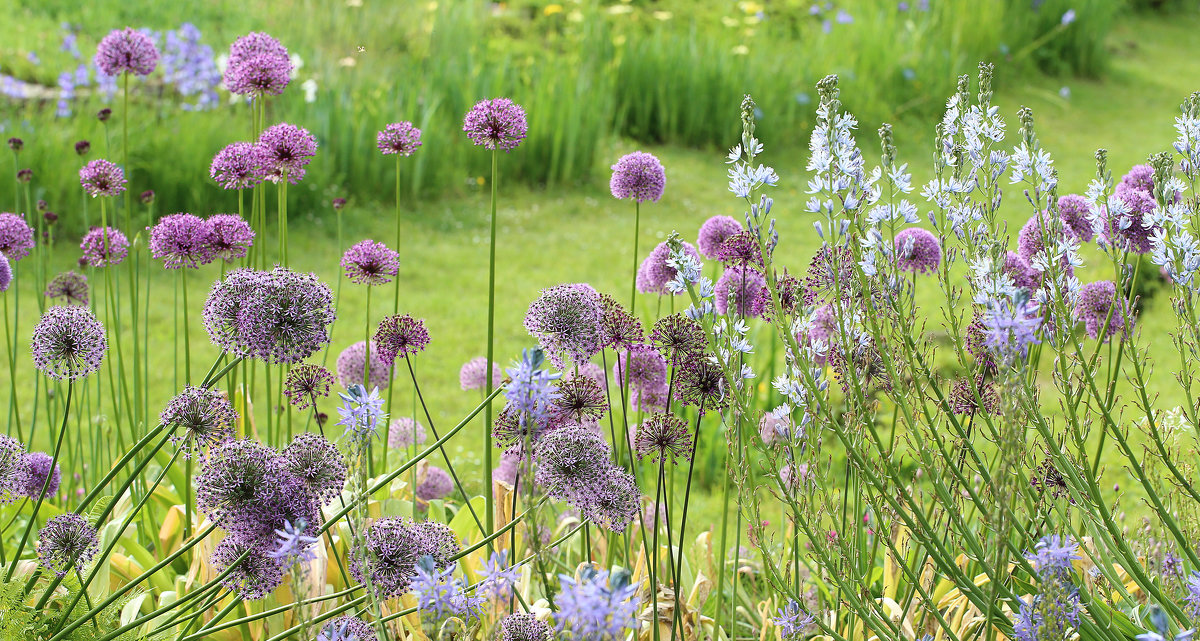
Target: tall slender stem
<point x="637" y="223"/>
<point x="489" y="498"/>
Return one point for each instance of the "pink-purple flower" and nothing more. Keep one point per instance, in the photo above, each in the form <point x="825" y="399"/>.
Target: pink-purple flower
<point x="16" y="237"/>
<point x="182" y="240"/>
<point x="498" y="123"/>
<point x="102" y="178"/>
<point x="639" y="176"/>
<point x="238" y="166"/>
<point x="126" y="51"/>
<point x="917" y="251"/>
<point x="258" y="65"/>
<point x="370" y="263"/>
<point x="399" y="138"/>
<point x="285" y="151"/>
<point x="104" y="246"/>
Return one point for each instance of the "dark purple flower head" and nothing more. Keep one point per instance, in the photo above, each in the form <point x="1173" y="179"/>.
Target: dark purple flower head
<point x="352" y="362"/>
<point x="740" y="249"/>
<point x="318" y="463"/>
<point x="473" y="374"/>
<point x="392" y="548"/>
<point x="1022" y="273"/>
<point x="371" y="263"/>
<point x="102" y="178"/>
<point x="621" y="329"/>
<point x="1140" y="178"/>
<point x="202" y="418"/>
<point x="399" y="138"/>
<point x="147" y="197"/>
<point x="283" y="498"/>
<point x="738" y="291"/>
<point x="104" y="246"/>
<point x="83" y="147"/>
<point x="238" y="166"/>
<point x="566" y="321"/>
<point x="976" y="341"/>
<point x="6" y="274"/>
<point x="1075" y="213"/>
<point x="50" y="218"/>
<point x="16" y="144"/>
<point x="702" y="384"/>
<point x="339" y="204"/>
<point x="405" y="432"/>
<point x="182" y="240"/>
<point x="614" y="501"/>
<point x="435" y="484"/>
<point x="126" y="50"/>
<point x="713" y="232"/>
<point x="579" y="399"/>
<point x="1095" y="307"/>
<point x="230" y="236"/>
<point x="654" y="272"/>
<point x="829" y="267"/>
<point x="232" y="478"/>
<point x="347" y="628"/>
<point x="258" y="65"/>
<point x="104" y="114"/>
<point x="571" y="462"/>
<point x="663" y="436"/>
<point x="917" y="251"/>
<point x="962" y="397"/>
<point x="401" y="336"/>
<point x="37" y="472"/>
<point x="255" y="573"/>
<point x="524" y="627"/>
<point x="68" y="342"/>
<point x="498" y="123"/>
<point x="280" y="316"/>
<point x="16" y="237"/>
<point x="305" y="383"/>
<point x="647" y="369"/>
<point x="639" y="176"/>
<point x="286" y="149"/>
<point x="71" y="287"/>
<point x="1132" y="230"/>
<point x="24" y="175"/>
<point x="678" y="337"/>
<point x="66" y="541"/>
<point x="42" y="206"/>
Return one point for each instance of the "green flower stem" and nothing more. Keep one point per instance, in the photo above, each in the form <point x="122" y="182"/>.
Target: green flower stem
<point x="489" y="498"/>
<point x="210" y="629"/>
<point x="637" y="223"/>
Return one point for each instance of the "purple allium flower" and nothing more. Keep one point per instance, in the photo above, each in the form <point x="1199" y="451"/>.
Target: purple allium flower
<point x="254" y="577"/>
<point x="713" y="233"/>
<point x="511" y="470"/>
<point x="1053" y="555"/>
<point x="614" y="502"/>
<point x="639" y="176"/>
<point x="280" y="316"/>
<point x="498" y="123"/>
<point x="282" y="498"/>
<point x="102" y="178"/>
<point x="71" y="287"/>
<point x="917" y="251"/>
<point x="401" y="336"/>
<point x="654" y="272"/>
<point x="393" y="546"/>
<point x="12" y="468"/>
<point x="1023" y="274"/>
<point x="650" y="399"/>
<point x="16" y="237"/>
<point x="66" y="541"/>
<point x="347" y="628"/>
<point x="596" y="606"/>
<point x="1139" y="178"/>
<point x="318" y="463"/>
<point x="147" y="197"/>
<point x="238" y="166"/>
<point x="1095" y="305"/>
<point x="403" y="431"/>
<point x="1133" y="230"/>
<point x="351" y="365"/>
<point x="579" y="399"/>
<point x="1076" y="214"/>
<point x="258" y="65"/>
<point x="232" y="479"/>
<point x="68" y="342"/>
<point x="82" y="147"/>
<point x="206" y="417"/>
<point x="738" y="292"/>
<point x="126" y="50"/>
<point x="37" y="472"/>
<point x="819" y="333"/>
<point x="6" y="274"/>
<point x="664" y="435"/>
<point x="702" y="383"/>
<point x="104" y="114"/>
<point x="647" y="368"/>
<point x="229" y="237"/>
<point x="370" y="263"/>
<point x="472" y="375"/>
<point x="399" y="138"/>
<point x="104" y="246"/>
<point x="589" y="370"/>
<point x="436" y="484"/>
<point x="305" y="383"/>
<point x="524" y="627"/>
<point x="286" y="149"/>
<point x="566" y="321"/>
<point x="24" y="175"/>
<point x="678" y="337"/>
<point x="182" y="240"/>
<point x="1009" y="329"/>
<point x="1030" y="240"/>
<point x="338" y="204"/>
<point x="571" y="460"/>
<point x="16" y="144"/>
<point x="775" y="429"/>
<point x="740" y="249"/>
<point x="621" y="329"/>
<point x="962" y="397"/>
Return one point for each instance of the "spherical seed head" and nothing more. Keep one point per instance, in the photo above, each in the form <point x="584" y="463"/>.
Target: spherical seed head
<point x="83" y="147"/>
<point x="639" y="176"/>
<point x="739" y="292"/>
<point x="405" y="432"/>
<point x="579" y="399"/>
<point x="654" y="272"/>
<point x="286" y="148"/>
<point x="202" y="417"/>
<point x="5" y="274"/>
<point x="1095" y="305"/>
<point x="566" y="321"/>
<point x="1132" y="230"/>
<point x="104" y="246"/>
<point x="473" y="376"/>
<point x="647" y="369"/>
<point x="570" y="461"/>
<point x="962" y="397"/>
<point x="238" y="166"/>
<point x="621" y="328"/>
<point x="353" y="360"/>
<point x="126" y="51"/>
<point x="24" y="175"/>
<point x="1022" y="273"/>
<point x="36" y="469"/>
<point x="12" y="468"/>
<point x="401" y="336"/>
<point x="391" y="549"/>
<point x="305" y="383"/>
<point x="613" y="502"/>
<point x="182" y="240"/>
<point x="254" y="577"/>
<point x="280" y="316"/>
<point x="258" y="65"/>
<point x="702" y="383"/>
<point x="371" y="263"/>
<point x="498" y="123"/>
<point x="347" y="628"/>
<point x="102" y="178"/>
<point x="318" y="463"/>
<point x="1140" y="178"/>
<point x="68" y="343"/>
<point x="16" y="144"/>
<point x="66" y="541"/>
<point x="230" y="236"/>
<point x="16" y="237"/>
<point x="918" y="251"/>
<point x="399" y="138"/>
<point x="524" y="627"/>
<point x="104" y="114"/>
<point x="231" y="477"/>
<point x="663" y="436"/>
<point x="435" y="485"/>
<point x="713" y="232"/>
<point x="678" y="337"/>
<point x="1075" y="213"/>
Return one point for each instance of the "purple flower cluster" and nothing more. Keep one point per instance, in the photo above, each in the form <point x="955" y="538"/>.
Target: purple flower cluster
<point x="664" y="435"/>
<point x="305" y="383"/>
<point x="473" y="374"/>
<point x="258" y="66"/>
<point x="6" y="274"/>
<point x="238" y="166"/>
<point x="126" y="51"/>
<point x="229" y="237"/>
<point x="494" y="124"/>
<point x="524" y="627"/>
<point x="189" y="66"/>
<point x="401" y="336"/>
<point x="1075" y="214"/>
<point x="102" y="178"/>
<point x="1102" y="311"/>
<point x="279" y="316"/>
<point x="71" y="287"/>
<point x="103" y="246"/>
<point x="285" y="150"/>
<point x="352" y="364"/>
<point x="39" y="476"/>
<point x="399" y="138"/>
<point x="66" y="541"/>
<point x="566" y="321"/>
<point x="1023" y="274"/>
<point x="371" y="263"/>
<point x="405" y="432"/>
<point x="645" y="368"/>
<point x="713" y="233"/>
<point x="654" y="273"/>
<point x="639" y="176"/>
<point x="181" y="240"/>
<point x="739" y="291"/>
<point x="1132" y="230"/>
<point x="68" y="342"/>
<point x="205" y="416"/>
<point x="434" y="484"/>
<point x="573" y="465"/>
<point x="16" y="237"/>
<point x="347" y="628"/>
<point x="392" y="548"/>
<point x="917" y="251"/>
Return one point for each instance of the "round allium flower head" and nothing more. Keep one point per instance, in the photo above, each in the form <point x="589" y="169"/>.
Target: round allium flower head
<point x="12" y="468"/>
<point x="393" y="546"/>
<point x="71" y="287"/>
<point x="352" y="361"/>
<point x="229" y="236"/>
<point x="702" y="384"/>
<point x="5" y="274"/>
<point x="16" y="144"/>
<point x="1075" y="213"/>
<point x="286" y="149"/>
<point x="1031" y="241"/>
<point x="318" y="463"/>
<point x="713" y="232"/>
<point x="435" y="485"/>
<point x="38" y="469"/>
<point x="280" y="316"/>
<point x="524" y="627"/>
<point x="146" y="197"/>
<point x="578" y="399"/>
<point x="639" y="176"/>
<point x="647" y="368"/>
<point x="654" y="272"/>
<point x="254" y="577"/>
<point x="473" y="376"/>
<point x="66" y="541"/>
<point x="621" y="328"/>
<point x="126" y="50"/>
<point x="399" y="138"/>
<point x="1132" y="230"/>
<point x="16" y="237"/>
<point x="182" y="240"/>
<point x="589" y="370"/>
<point x="663" y="436"/>
<point x="104" y="114"/>
<point x="1140" y="178"/>
<point x="917" y="251"/>
<point x="401" y="336"/>
<point x="498" y="123"/>
<point x="370" y="263"/>
<point x="571" y="461"/>
<point x="104" y="246"/>
<point x="1022" y="273"/>
<point x="962" y="397"/>
<point x="24" y="175"/>
<point x="774" y="429"/>
<point x="338" y="204"/>
<point x="68" y="342"/>
<point x="102" y="178"/>
<point x="204" y="418"/>
<point x="613" y="502"/>
<point x="819" y="333"/>
<point x="741" y="249"/>
<point x="232" y="477"/>
<point x="258" y="65"/>
<point x="305" y="383"/>
<point x="82" y="147"/>
<point x="405" y="432"/>
<point x="1095" y="306"/>
<point x="678" y="337"/>
<point x="566" y="321"/>
<point x="346" y="628"/>
<point x="238" y="166"/>
<point x="738" y="292"/>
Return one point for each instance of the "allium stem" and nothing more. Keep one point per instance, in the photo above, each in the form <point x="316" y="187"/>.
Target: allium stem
<point x="687" y="494"/>
<point x="637" y="223"/>
<point x="37" y="505"/>
<point x="489" y="498"/>
<point x="11" y="345"/>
